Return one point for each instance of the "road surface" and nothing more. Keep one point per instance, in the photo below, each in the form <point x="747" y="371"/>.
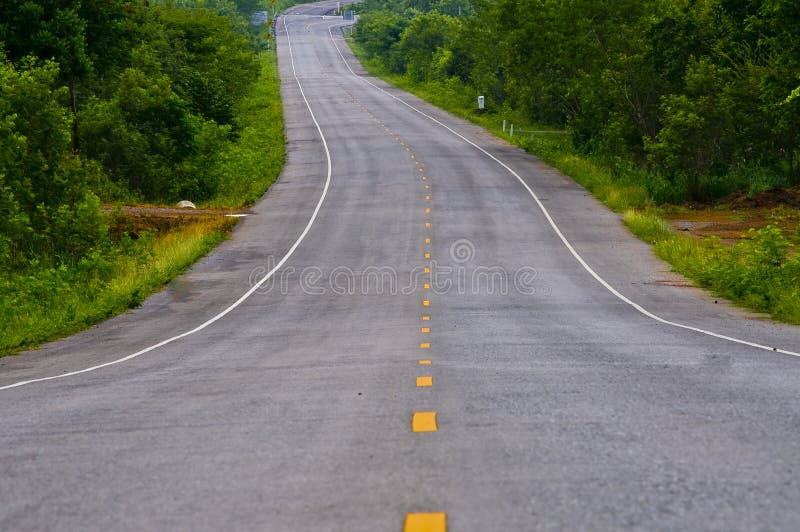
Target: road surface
<point x="544" y="400"/>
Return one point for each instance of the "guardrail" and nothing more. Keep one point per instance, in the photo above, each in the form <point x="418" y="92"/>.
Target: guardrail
<point x="532" y="132"/>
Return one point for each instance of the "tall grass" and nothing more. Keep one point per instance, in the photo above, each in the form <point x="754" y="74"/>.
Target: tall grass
<point x="647" y="226"/>
<point x="58" y="301"/>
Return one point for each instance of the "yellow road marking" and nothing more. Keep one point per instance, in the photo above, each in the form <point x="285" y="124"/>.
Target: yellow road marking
<point x="427" y="255"/>
<point x="421" y="169"/>
<point x="427" y="187"/>
<point x="427" y="198"/>
<point x="424" y="345"/>
<point x="426" y="318"/>
<point x="430" y="522"/>
<point x="424" y="422"/>
<point x="426" y="286"/>
<point x="427" y="210"/>
<point x="425" y="362"/>
<point x="427" y="270"/>
<point x="428" y="240"/>
<point x="426" y="303"/>
<point x="425" y="330"/>
<point x="425" y="381"/>
<point x="424" y="178"/>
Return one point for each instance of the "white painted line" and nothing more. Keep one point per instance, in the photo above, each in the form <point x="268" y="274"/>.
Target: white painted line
<point x="558" y="232"/>
<point x="246" y="294"/>
<point x="235" y="216"/>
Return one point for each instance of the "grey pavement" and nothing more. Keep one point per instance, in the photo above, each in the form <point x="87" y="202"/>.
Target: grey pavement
<point x="559" y="406"/>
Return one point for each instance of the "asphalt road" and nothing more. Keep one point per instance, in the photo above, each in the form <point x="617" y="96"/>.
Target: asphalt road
<point x="558" y="405"/>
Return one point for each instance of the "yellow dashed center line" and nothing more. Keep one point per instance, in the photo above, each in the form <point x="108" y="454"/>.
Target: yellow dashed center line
<point x="427" y="522"/>
<point x="424" y="422"/>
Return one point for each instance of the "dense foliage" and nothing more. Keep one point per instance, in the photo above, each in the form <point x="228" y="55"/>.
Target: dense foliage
<point x="702" y="95"/>
<point x="109" y="101"/>
<point x="112" y="100"/>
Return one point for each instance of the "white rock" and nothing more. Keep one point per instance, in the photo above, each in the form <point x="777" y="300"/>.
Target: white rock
<point x="186" y="204"/>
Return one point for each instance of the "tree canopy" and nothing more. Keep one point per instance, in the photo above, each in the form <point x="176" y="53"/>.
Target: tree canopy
<point x="111" y="100"/>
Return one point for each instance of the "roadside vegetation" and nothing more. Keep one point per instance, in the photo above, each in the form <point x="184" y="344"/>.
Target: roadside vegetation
<point x="113" y="102"/>
<point x="668" y="107"/>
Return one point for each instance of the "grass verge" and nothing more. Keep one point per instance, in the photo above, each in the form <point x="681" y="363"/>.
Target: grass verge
<point x="59" y="301"/>
<point x="761" y="272"/>
<point x="248" y="167"/>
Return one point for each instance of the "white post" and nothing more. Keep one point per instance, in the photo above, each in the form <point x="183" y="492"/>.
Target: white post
<point x="512" y="130"/>
<point x="504" y="126"/>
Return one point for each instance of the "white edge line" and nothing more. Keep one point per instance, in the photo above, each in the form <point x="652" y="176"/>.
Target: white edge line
<point x="557" y="230"/>
<point x="246" y="294"/>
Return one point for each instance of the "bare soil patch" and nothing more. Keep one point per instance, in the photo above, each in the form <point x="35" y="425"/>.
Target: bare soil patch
<point x="732" y="218"/>
<point x="137" y="219"/>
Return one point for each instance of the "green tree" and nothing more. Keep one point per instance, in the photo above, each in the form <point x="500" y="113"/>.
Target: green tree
<point x="379" y="32"/>
<point x="143" y="135"/>
<point x="47" y="208"/>
<point x="425" y="46"/>
<point x="47" y="29"/>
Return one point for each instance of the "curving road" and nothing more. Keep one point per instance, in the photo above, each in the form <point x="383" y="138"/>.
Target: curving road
<point x="273" y="387"/>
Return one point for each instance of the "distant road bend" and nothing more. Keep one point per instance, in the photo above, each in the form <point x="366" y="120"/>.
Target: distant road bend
<point x="419" y="328"/>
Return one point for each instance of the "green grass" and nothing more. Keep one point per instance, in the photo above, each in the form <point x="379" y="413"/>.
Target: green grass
<point x="647" y="226"/>
<point x="55" y="302"/>
<point x="48" y="303"/>
<point x="761" y="273"/>
<point x="248" y="167"/>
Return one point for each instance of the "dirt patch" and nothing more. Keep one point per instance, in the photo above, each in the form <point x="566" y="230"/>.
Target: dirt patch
<point x="137" y="219"/>
<point x="735" y="215"/>
<point x="788" y="197"/>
